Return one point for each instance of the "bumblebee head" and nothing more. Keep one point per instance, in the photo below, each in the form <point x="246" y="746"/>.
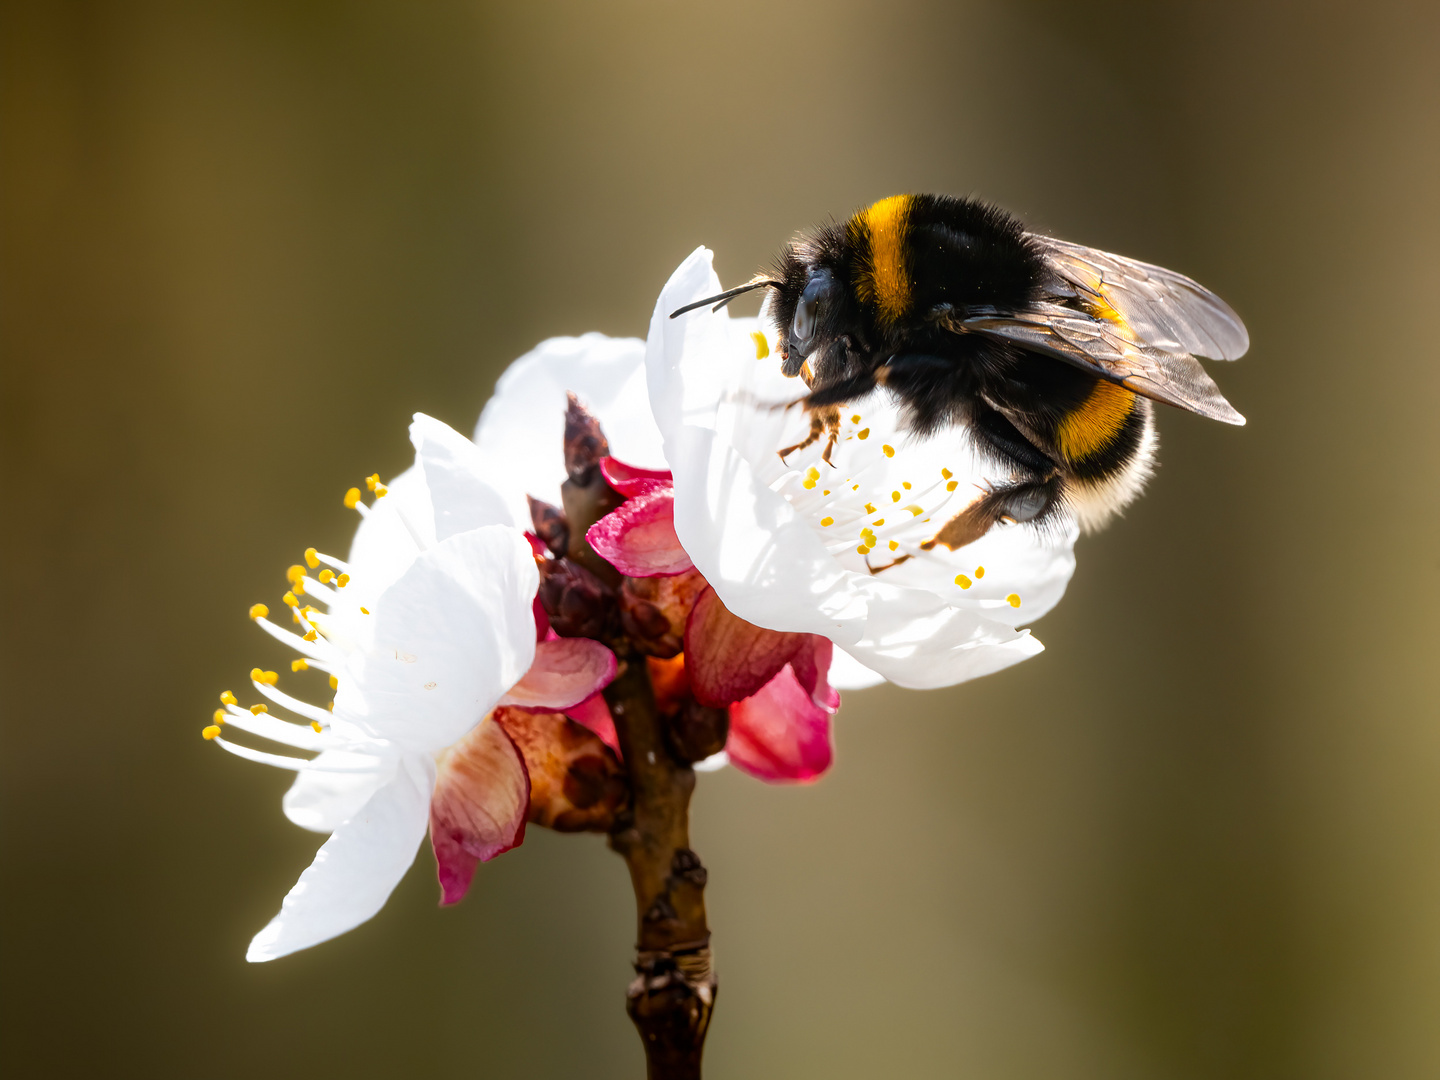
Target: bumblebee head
<point x="808" y="301"/>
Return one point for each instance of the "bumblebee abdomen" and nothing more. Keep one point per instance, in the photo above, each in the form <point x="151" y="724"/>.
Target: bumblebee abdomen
<point x="1089" y="430"/>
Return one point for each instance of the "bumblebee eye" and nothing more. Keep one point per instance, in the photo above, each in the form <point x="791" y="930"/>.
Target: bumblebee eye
<point x="803" y="327"/>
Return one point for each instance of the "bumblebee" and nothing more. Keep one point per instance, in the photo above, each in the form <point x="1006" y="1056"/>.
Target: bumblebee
<point x="1047" y="353"/>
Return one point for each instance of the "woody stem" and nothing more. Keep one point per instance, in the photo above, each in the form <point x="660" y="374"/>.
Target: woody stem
<point x="673" y="993"/>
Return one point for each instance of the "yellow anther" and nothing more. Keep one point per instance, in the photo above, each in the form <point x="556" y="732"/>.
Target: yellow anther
<point x="762" y="348"/>
<point x="826" y="522"/>
<point x="979" y="571"/>
<point x="381" y="491"/>
<point x="905" y="484"/>
<point x="312" y="558"/>
<point x="878" y="522"/>
<point x="310" y="609"/>
<point x="210" y="732"/>
<point x="364" y="611"/>
<point x="825" y="492"/>
<point x="227" y="698"/>
<point x="372" y="481"/>
<point x="812" y="473"/>
<point x="894" y="496"/>
<point x="256" y="710"/>
<point x="962" y="581"/>
<point x="310" y="636"/>
<point x="331" y="706"/>
<point x="946" y="473"/>
<point x="271" y="678"/>
<point x="290" y="600"/>
<point x="298" y="585"/>
<point x="1013" y="600"/>
<point x="869" y="508"/>
<point x="334" y="682"/>
<point x="219" y="716"/>
<point x="300" y="665"/>
<point x="316" y="725"/>
<point x="952" y="485"/>
<point x="352" y="497"/>
<point x="894" y="545"/>
<point x="855" y="488"/>
<point x="915" y="511"/>
<point x="342" y="580"/>
<point x="889" y="450"/>
<point x="326" y="576"/>
<point x="294" y="574"/>
<point x="261" y="676"/>
<point x="258" y="611"/>
<point x="808" y="485"/>
<point x="855" y="419"/>
<point x="863" y="433"/>
<point x="863" y="550"/>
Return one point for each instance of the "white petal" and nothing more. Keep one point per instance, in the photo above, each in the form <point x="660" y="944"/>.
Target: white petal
<point x="774" y="565"/>
<point x="355" y="870"/>
<point x="321" y="800"/>
<point x="520" y="432"/>
<point x="386" y="543"/>
<point x="847" y="673"/>
<point x="450" y="637"/>
<point x="460" y="493"/>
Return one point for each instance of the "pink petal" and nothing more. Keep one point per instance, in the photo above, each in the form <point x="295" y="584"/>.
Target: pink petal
<point x="728" y="658"/>
<point x="638" y="537"/>
<point x="482" y="795"/>
<point x="780" y="734"/>
<point x="537" y="546"/>
<point x="565" y="672"/>
<point x="594" y="714"/>
<point x="542" y="621"/>
<point x="631" y="480"/>
<point x="811" y="663"/>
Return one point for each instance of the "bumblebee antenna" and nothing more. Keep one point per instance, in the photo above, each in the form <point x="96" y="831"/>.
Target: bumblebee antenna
<point x="725" y="297"/>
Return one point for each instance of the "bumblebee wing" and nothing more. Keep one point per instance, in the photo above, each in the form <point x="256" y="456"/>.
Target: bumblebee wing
<point x="1107" y="348"/>
<point x="1162" y="308"/>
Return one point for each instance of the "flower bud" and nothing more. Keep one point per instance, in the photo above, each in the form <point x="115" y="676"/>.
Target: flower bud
<point x="577" y="602"/>
<point x="654" y="611"/>
<point x="585" y="443"/>
<point x="550" y="526"/>
<point x="697" y="731"/>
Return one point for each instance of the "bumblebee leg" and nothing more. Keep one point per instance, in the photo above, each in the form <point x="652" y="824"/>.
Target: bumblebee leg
<point x="821" y="421"/>
<point x="1023" y="502"/>
<point x="1031" y="498"/>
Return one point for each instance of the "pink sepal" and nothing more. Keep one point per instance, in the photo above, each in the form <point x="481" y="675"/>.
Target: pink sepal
<point x="728" y="658"/>
<point x="482" y="795"/>
<point x="780" y="734"/>
<point x="638" y="537"/>
<point x="565" y="672"/>
<point x="594" y="714"/>
<point x="630" y="480"/>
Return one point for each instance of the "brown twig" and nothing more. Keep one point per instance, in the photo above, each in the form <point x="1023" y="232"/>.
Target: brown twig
<point x="673" y="993"/>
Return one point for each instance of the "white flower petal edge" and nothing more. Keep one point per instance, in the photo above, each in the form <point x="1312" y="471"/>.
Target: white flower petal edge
<point x="786" y="545"/>
<point x="521" y="430"/>
<point x="357" y="869"/>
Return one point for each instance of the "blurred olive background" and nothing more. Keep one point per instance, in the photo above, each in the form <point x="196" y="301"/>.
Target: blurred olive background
<point x="1198" y="837"/>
